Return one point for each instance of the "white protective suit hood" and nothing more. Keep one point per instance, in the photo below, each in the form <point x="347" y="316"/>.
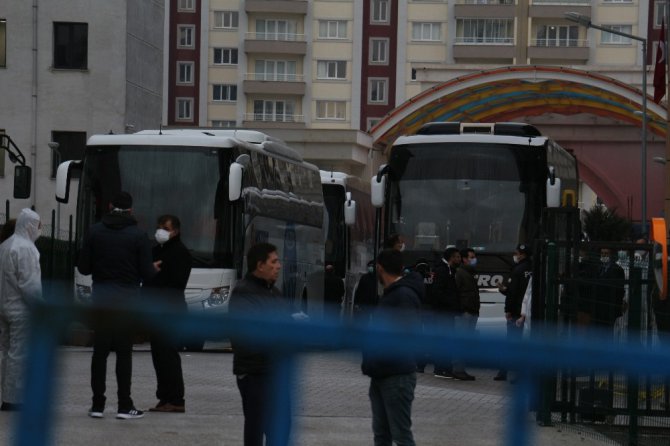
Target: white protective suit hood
<point x="28" y="225"/>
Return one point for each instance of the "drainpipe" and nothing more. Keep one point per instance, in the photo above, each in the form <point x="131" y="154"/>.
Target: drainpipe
<point x="33" y="107"/>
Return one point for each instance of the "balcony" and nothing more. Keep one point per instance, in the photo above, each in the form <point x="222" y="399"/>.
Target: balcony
<point x="556" y="8"/>
<point x="276" y="43"/>
<point x="484" y="48"/>
<point x="502" y="9"/>
<point x="570" y="49"/>
<point x="274" y="83"/>
<point x="281" y="6"/>
<point x="283" y="121"/>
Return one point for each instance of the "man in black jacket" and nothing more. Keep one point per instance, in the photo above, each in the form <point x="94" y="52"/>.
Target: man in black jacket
<point x="513" y="290"/>
<point x="446" y="305"/>
<point x="118" y="256"/>
<point x="167" y="290"/>
<point x="265" y="402"/>
<point x="392" y="373"/>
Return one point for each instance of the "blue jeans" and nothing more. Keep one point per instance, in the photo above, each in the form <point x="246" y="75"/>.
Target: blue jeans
<point x="391" y="400"/>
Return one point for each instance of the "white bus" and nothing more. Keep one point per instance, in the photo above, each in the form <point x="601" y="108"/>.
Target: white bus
<point x="348" y="229"/>
<point x="230" y="189"/>
<point x="473" y="185"/>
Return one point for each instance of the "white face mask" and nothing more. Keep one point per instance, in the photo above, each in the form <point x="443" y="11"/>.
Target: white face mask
<point x="162" y="236"/>
<point x="605" y="259"/>
<point x="402" y="247"/>
<point x="473" y="262"/>
<point x="516" y="259"/>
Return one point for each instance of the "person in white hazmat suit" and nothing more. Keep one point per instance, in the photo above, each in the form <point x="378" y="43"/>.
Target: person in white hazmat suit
<point x="20" y="288"/>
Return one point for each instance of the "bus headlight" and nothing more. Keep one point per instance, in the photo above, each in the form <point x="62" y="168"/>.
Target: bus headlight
<point x="83" y="294"/>
<point x="217" y="297"/>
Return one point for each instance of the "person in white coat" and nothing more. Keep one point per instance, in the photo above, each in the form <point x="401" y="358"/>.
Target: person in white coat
<point x="20" y="288"/>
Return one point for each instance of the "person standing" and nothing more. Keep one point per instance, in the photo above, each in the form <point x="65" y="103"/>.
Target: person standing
<point x="514" y="290"/>
<point x="446" y="305"/>
<point x="609" y="291"/>
<point x="20" y="288"/>
<point x="333" y="292"/>
<point x="167" y="289"/>
<point x="393" y="373"/>
<point x="118" y="256"/>
<point x="468" y="292"/>
<point x="256" y="296"/>
<point x="365" y="296"/>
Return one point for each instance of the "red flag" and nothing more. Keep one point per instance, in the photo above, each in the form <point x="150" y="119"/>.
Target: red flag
<point x="659" y="69"/>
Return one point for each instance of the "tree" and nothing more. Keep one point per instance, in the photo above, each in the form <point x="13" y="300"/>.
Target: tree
<point x="604" y="225"/>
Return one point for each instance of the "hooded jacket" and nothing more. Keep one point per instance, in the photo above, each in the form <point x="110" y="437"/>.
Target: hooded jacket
<point x="444" y="293"/>
<point x="20" y="272"/>
<point x="116" y="253"/>
<point x="398" y="310"/>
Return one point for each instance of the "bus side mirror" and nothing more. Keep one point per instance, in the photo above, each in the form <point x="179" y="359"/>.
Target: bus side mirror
<point x="22" y="177"/>
<point x="235" y="181"/>
<point x="63" y="179"/>
<point x="553" y="189"/>
<point x="349" y="211"/>
<point x="660" y="255"/>
<point x="377" y="189"/>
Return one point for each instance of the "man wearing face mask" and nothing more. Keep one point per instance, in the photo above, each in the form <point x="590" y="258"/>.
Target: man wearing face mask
<point x="608" y="292"/>
<point x="167" y="289"/>
<point x="513" y="290"/>
<point x="468" y="291"/>
<point x="20" y="288"/>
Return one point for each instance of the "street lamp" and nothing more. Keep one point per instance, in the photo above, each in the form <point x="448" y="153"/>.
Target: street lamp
<point x="586" y="21"/>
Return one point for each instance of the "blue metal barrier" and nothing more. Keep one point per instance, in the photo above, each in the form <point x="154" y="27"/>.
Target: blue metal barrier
<point x="534" y="358"/>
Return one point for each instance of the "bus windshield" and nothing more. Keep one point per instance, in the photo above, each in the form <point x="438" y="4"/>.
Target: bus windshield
<point x="484" y="196"/>
<point x="188" y="182"/>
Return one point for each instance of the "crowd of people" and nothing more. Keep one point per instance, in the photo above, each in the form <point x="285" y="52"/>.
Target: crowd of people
<point x="408" y="299"/>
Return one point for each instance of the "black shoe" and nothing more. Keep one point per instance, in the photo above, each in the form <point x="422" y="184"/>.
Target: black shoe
<point x="500" y="377"/>
<point x="462" y="376"/>
<point x="445" y="374"/>
<point x="129" y="414"/>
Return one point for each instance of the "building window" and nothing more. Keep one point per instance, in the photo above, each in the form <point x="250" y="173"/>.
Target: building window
<point x="225" y="56"/>
<point x="413" y="74"/>
<point x="224" y="92"/>
<point x="616" y="39"/>
<point x="332" y="29"/>
<point x="70" y="46"/>
<point x="275" y="70"/>
<point x="372" y="122"/>
<point x="379" y="51"/>
<point x="186" y="33"/>
<point x="276" y="111"/>
<point x="331" y="69"/>
<point x="331" y="110"/>
<point x="377" y="91"/>
<point x="226" y="19"/>
<point x="3" y="43"/>
<point x="71" y="146"/>
<point x="485" y="31"/>
<point x="379" y="11"/>
<point x="426" y="31"/>
<point x="186" y="5"/>
<point x="224" y="124"/>
<point x="659" y="13"/>
<point x="184" y="109"/>
<point x="557" y="35"/>
<point x="276" y="30"/>
<point x="185" y="72"/>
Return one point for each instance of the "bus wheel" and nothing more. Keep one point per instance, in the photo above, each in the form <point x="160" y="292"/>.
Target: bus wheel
<point x="194" y="345"/>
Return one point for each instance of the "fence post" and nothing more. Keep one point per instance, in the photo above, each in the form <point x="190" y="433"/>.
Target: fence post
<point x="548" y="386"/>
<point x="634" y="325"/>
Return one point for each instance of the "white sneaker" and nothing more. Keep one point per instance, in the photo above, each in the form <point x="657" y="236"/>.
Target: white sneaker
<point x="129" y="414"/>
<point x="96" y="412"/>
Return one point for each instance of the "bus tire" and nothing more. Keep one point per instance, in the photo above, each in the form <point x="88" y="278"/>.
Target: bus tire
<point x="194" y="345"/>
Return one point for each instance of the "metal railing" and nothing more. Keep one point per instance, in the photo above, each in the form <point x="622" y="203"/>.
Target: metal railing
<point x="273" y="117"/>
<point x="276" y="77"/>
<point x="277" y="36"/>
<point x="484" y="41"/>
<point x="560" y="43"/>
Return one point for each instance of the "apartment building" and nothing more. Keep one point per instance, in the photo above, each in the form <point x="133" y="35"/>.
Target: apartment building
<point x="320" y="73"/>
<point x="70" y="69"/>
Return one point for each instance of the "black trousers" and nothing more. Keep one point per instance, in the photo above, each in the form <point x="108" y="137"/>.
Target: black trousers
<point x="167" y="364"/>
<point x="261" y="419"/>
<point x="120" y="339"/>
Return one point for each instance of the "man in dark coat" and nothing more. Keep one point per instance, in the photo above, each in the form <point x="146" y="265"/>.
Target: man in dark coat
<point x="118" y="256"/>
<point x="468" y="293"/>
<point x="167" y="290"/>
<point x="446" y="303"/>
<point x="609" y="291"/>
<point x="392" y="372"/>
<point x="333" y="292"/>
<point x="265" y="402"/>
<point x="365" y="296"/>
<point x="513" y="290"/>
